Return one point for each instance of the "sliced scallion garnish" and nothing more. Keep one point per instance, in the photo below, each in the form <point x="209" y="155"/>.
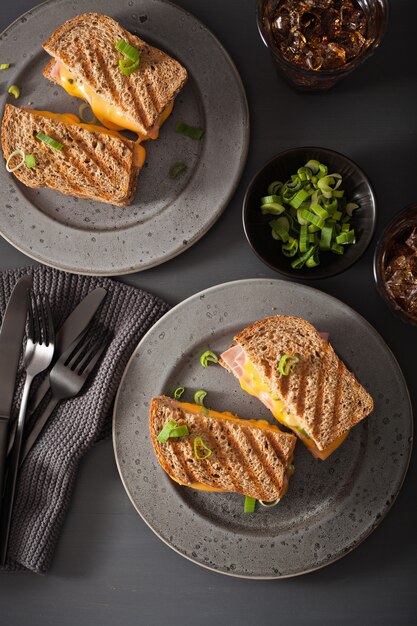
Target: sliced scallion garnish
<point x="18" y="152"/>
<point x="179" y="392"/>
<point x="177" y="169"/>
<point x="4" y="66"/>
<point x="286" y="363"/>
<point x="127" y="50"/>
<point x="164" y="434"/>
<point x="199" y="396"/>
<point x="30" y="161"/>
<point x="179" y="431"/>
<point x="201" y="450"/>
<point x="250" y="505"/>
<point x="208" y="357"/>
<point x="14" y="90"/>
<point x="189" y="131"/>
<point x="269" y="505"/>
<point x="49" y="141"/>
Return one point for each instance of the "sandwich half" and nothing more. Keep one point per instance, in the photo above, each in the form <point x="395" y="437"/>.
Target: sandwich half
<point x="86" y="64"/>
<point x="87" y="161"/>
<point x="250" y="457"/>
<point x="286" y="363"/>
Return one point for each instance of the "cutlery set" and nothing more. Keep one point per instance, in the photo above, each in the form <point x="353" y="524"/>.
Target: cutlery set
<point x="71" y="356"/>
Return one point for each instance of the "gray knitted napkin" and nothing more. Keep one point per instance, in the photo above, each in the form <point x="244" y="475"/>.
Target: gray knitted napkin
<point x="47" y="476"/>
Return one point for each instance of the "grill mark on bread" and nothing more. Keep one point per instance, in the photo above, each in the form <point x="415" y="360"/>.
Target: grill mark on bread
<point x="337" y="394"/>
<point x="302" y="384"/>
<point x="276" y="449"/>
<point x="177" y="451"/>
<point x="223" y="460"/>
<point x="108" y="78"/>
<point x="153" y="97"/>
<point x="90" y="154"/>
<point x="318" y="403"/>
<point x="262" y="460"/>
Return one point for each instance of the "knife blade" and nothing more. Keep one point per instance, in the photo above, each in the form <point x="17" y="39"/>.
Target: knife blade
<point x="76" y="322"/>
<point x="11" y="343"/>
<point x="74" y="325"/>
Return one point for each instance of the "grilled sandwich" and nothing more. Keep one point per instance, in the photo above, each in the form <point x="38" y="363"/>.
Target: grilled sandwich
<point x="86" y="64"/>
<point x="288" y="365"/>
<point x="250" y="457"/>
<point x="77" y="159"/>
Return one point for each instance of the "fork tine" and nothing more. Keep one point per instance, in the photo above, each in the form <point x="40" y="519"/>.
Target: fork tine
<point x="50" y="334"/>
<point x="31" y="328"/>
<point x="93" y="358"/>
<point x="43" y="329"/>
<point x="78" y="352"/>
<point x="36" y="320"/>
<point x="92" y="349"/>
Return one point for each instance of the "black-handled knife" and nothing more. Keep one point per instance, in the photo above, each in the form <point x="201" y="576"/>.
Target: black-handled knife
<point x="74" y="325"/>
<point x="11" y="342"/>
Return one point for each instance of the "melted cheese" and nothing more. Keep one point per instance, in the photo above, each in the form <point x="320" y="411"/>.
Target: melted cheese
<point x="139" y="154"/>
<point x="108" y="114"/>
<point x="263" y="424"/>
<point x="252" y="383"/>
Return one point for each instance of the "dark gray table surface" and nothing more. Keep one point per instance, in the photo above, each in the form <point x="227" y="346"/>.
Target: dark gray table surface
<point x="109" y="567"/>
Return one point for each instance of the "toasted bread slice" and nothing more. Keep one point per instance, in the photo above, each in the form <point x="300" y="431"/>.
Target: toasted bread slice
<point x="92" y="164"/>
<point x="86" y="46"/>
<point x="248" y="457"/>
<point x="320" y="395"/>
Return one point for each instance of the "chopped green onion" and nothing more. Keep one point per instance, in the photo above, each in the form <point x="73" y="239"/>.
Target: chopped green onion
<point x="274" y="187"/>
<point x="179" y="431"/>
<point x="299" y="198"/>
<point x="273" y="208"/>
<point x="280" y="228"/>
<point x="49" y="141"/>
<point x="20" y="153"/>
<point x="310" y="201"/>
<point x="286" y="363"/>
<point x="302" y="431"/>
<point x="303" y="241"/>
<point x="126" y="67"/>
<point x="82" y="108"/>
<point x="71" y="81"/>
<point x="199" y="396"/>
<point x="350" y="207"/>
<point x="30" y="161"/>
<point x="127" y="50"/>
<point x="269" y="505"/>
<point x="326" y="236"/>
<point x="4" y="66"/>
<point x="177" y="169"/>
<point x="290" y="248"/>
<point x="178" y="392"/>
<point x="345" y="238"/>
<point x="199" y="446"/>
<point x="189" y="131"/>
<point x="250" y="504"/>
<point x="164" y="434"/>
<point x="208" y="357"/>
<point x="14" y="90"/>
<point x="312" y="218"/>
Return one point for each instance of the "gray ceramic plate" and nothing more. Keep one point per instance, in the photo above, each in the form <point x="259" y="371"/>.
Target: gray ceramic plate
<point x="167" y="217"/>
<point x="330" y="506"/>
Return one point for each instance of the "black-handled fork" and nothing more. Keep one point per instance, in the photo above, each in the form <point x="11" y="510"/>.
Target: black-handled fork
<point x="67" y="378"/>
<point x="37" y="358"/>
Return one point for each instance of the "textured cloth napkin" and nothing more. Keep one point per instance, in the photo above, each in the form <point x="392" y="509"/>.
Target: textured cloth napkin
<point x="47" y="476"/>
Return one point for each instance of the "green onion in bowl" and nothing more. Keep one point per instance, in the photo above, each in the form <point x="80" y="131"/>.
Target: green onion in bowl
<point x="312" y="214"/>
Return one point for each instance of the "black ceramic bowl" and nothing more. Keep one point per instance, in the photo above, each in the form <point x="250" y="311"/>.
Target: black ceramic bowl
<point x="392" y="234"/>
<point x="357" y="189"/>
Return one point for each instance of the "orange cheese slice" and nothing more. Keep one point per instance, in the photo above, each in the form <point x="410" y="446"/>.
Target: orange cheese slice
<point x="108" y="114"/>
<point x="139" y="155"/>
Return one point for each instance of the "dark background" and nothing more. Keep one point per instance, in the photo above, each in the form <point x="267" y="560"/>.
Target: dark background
<point x="109" y="567"/>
